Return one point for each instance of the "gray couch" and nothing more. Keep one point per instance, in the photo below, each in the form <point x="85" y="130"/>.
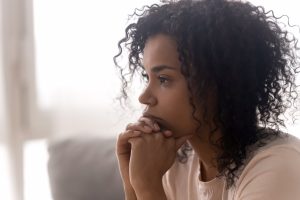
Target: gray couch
<point x="84" y="168"/>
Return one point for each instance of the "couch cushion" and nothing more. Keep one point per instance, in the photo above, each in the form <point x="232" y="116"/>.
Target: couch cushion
<point x="84" y="168"/>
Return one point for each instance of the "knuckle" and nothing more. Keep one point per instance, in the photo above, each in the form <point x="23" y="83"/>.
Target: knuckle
<point x="140" y="124"/>
<point x="129" y="126"/>
<point x="121" y="135"/>
<point x="145" y="120"/>
<point x="124" y="134"/>
<point x="133" y="126"/>
<point x="141" y="119"/>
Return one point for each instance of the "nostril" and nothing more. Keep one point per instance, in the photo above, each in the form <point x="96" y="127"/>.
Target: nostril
<point x="144" y="98"/>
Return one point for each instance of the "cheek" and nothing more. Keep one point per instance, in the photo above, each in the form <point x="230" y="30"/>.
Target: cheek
<point x="185" y="124"/>
<point x="178" y="110"/>
<point x="180" y="118"/>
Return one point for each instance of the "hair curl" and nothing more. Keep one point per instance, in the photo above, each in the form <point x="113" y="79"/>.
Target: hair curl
<point x="233" y="48"/>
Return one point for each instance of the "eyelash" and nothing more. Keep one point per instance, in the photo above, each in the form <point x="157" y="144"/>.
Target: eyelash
<point x="162" y="79"/>
<point x="145" y="77"/>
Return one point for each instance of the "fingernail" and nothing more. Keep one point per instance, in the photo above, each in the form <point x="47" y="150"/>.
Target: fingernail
<point x="156" y="127"/>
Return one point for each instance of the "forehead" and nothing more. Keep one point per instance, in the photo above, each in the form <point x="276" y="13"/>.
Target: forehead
<point x="160" y="50"/>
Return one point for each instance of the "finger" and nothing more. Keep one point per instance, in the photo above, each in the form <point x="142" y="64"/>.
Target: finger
<point x="124" y="137"/>
<point x="139" y="126"/>
<point x="150" y="123"/>
<point x="180" y="141"/>
<point x="123" y="146"/>
<point x="167" y="133"/>
<point x="129" y="125"/>
<point x="134" y="142"/>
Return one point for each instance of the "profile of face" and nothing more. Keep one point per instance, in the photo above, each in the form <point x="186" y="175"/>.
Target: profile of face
<point x="166" y="95"/>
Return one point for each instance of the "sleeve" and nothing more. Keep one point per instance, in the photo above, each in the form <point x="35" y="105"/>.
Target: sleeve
<point x="168" y="186"/>
<point x="272" y="174"/>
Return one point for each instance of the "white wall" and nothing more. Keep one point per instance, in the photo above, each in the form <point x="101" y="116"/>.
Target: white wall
<point x="76" y="79"/>
<point x="77" y="82"/>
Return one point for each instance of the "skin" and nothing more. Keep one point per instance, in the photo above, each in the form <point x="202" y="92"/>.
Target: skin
<point x="167" y="123"/>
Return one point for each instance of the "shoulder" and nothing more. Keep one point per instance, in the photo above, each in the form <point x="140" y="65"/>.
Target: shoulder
<point x="272" y="172"/>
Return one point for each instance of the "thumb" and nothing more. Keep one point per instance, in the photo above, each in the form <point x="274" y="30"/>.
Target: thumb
<point x="180" y="141"/>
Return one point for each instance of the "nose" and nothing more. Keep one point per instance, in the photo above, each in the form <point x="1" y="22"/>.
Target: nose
<point x="147" y="98"/>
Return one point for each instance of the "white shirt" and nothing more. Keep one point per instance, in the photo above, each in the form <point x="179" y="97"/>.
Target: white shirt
<point x="271" y="172"/>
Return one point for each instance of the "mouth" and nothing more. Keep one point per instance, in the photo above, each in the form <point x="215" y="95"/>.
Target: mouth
<point x="161" y="123"/>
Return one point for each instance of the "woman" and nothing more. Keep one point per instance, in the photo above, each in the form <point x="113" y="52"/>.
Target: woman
<point x="219" y="75"/>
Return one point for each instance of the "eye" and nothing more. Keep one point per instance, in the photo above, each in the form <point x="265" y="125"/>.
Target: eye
<point x="145" y="77"/>
<point x="163" y="79"/>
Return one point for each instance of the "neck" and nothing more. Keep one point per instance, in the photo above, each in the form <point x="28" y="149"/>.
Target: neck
<point x="206" y="153"/>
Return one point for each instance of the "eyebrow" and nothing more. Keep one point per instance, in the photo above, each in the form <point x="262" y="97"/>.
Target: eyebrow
<point x="159" y="68"/>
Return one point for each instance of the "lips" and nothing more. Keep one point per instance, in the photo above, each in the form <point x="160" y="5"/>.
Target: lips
<point x="161" y="123"/>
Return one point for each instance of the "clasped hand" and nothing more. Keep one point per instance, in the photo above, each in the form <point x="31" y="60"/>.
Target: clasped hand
<point x="145" y="153"/>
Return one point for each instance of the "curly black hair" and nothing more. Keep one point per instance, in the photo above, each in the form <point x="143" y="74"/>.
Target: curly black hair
<point x="233" y="48"/>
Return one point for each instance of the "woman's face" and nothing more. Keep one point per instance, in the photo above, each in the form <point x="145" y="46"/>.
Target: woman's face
<point x="166" y="95"/>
